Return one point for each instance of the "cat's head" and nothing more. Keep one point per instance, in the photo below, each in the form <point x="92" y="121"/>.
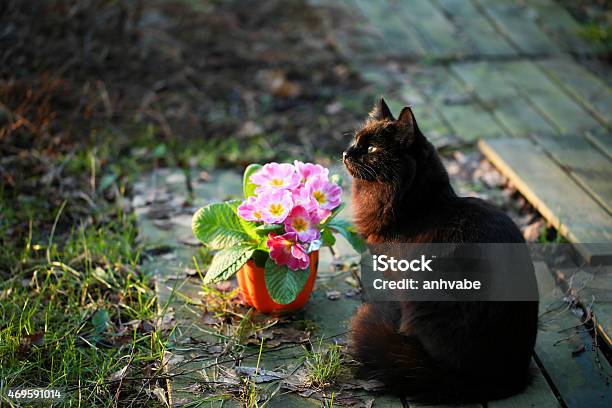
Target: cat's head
<point x="383" y="148"/>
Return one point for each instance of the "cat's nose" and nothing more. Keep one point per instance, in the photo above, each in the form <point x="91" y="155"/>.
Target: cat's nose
<point x="344" y="154"/>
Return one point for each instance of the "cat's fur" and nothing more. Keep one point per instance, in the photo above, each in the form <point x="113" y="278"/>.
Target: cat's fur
<point x="431" y="351"/>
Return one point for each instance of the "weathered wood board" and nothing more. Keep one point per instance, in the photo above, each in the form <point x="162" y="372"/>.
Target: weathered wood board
<point x="457" y="105"/>
<point x="563" y="112"/>
<point x="354" y="38"/>
<point x="537" y="395"/>
<point x="482" y="36"/>
<point x="502" y="98"/>
<point x="516" y="22"/>
<point x="554" y="194"/>
<point x="558" y="23"/>
<point x="565" y="349"/>
<point x="438" y="34"/>
<point x="591" y="92"/>
<point x="593" y="286"/>
<point x="587" y="165"/>
<point x="602" y="139"/>
<point x="398" y="38"/>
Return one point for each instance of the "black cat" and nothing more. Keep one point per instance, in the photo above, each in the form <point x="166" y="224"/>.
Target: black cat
<point x="431" y="351"/>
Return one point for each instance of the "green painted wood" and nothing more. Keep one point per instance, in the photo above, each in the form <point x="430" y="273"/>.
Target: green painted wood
<point x="602" y="139"/>
<point x="415" y="405"/>
<point x="399" y="38"/>
<point x="594" y="94"/>
<point x="432" y="124"/>
<point x="547" y="97"/>
<point x="577" y="377"/>
<point x="507" y="104"/>
<point x="466" y="117"/>
<point x="587" y="165"/>
<point x="554" y="194"/>
<point x="438" y="33"/>
<point x="515" y="21"/>
<point x="283" y="400"/>
<point x="559" y="24"/>
<point x="353" y="36"/>
<point x="537" y="395"/>
<point x="481" y="34"/>
<point x="594" y="289"/>
<point x="331" y="317"/>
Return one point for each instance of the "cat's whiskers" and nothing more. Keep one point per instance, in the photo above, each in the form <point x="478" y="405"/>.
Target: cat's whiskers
<point x="371" y="170"/>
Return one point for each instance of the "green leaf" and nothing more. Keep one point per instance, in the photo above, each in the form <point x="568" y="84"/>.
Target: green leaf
<point x="227" y="262"/>
<point x="282" y="283"/>
<point x="218" y="226"/>
<point x="100" y="320"/>
<point x="247" y="187"/>
<point x="265" y="229"/>
<point x="260" y="257"/>
<point x="249" y="226"/>
<point x="333" y="214"/>
<point x="347" y="230"/>
<point x="327" y="237"/>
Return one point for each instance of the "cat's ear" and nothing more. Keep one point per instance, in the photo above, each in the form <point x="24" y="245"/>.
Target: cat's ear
<point x="407" y="119"/>
<point x="381" y="111"/>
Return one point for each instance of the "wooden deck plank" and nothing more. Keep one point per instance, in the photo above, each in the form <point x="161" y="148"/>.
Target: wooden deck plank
<point x="594" y="94"/>
<point x="468" y="119"/>
<point x="516" y="23"/>
<point x="558" y="23"/>
<point x="587" y="165"/>
<point x="484" y="37"/>
<point x="504" y="100"/>
<point x="546" y="96"/>
<point x="554" y="194"/>
<point x="437" y="32"/>
<point x="359" y="41"/>
<point x="577" y="376"/>
<point x="416" y="405"/>
<point x="399" y="39"/>
<point x="537" y="395"/>
<point x="602" y="139"/>
<point x="594" y="289"/>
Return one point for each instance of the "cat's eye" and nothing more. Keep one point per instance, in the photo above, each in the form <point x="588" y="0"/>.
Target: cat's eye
<point x="372" y="149"/>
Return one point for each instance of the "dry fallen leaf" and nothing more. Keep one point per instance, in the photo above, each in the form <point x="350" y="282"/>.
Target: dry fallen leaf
<point x="368" y="385"/>
<point x="160" y="394"/>
<point x="258" y="375"/>
<point x="119" y="374"/>
<point x="34" y="339"/>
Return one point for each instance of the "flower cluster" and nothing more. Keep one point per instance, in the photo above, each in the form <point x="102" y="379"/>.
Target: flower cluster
<point x="297" y="197"/>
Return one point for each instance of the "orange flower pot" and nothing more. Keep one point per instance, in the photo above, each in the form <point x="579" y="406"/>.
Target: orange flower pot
<point x="253" y="289"/>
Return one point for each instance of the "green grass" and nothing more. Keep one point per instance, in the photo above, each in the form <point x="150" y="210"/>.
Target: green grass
<point x="75" y="305"/>
<point x="75" y="313"/>
<point x="324" y="364"/>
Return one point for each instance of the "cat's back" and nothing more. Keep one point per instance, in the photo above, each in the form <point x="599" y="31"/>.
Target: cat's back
<point x="481" y="221"/>
<point x="460" y="219"/>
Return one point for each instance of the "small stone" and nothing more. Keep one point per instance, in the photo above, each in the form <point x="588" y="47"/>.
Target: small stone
<point x="333" y="294"/>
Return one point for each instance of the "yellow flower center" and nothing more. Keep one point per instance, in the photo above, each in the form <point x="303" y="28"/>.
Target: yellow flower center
<point x="319" y="196"/>
<point x="300" y="224"/>
<point x="276" y="209"/>
<point x="257" y="214"/>
<point x="277" y="182"/>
